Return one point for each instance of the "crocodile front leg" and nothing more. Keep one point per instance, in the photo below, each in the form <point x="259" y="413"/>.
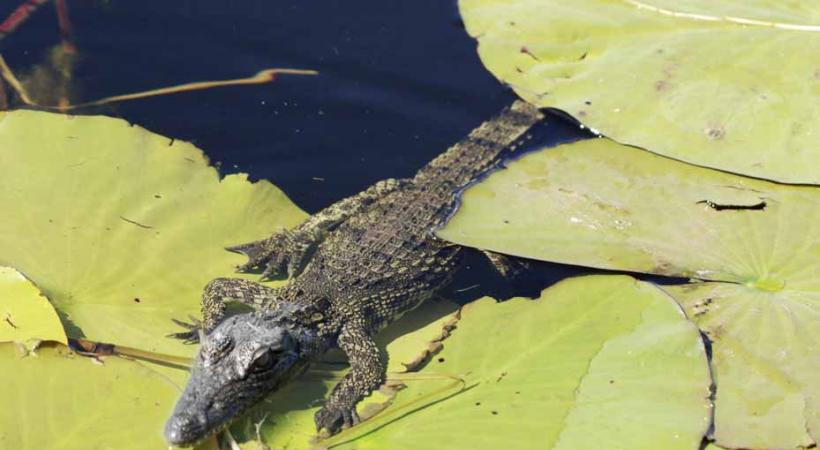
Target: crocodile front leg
<point x="366" y="374"/>
<point x="217" y="294"/>
<point x="290" y="250"/>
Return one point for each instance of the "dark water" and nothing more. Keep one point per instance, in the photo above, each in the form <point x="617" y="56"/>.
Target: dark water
<point x="399" y="82"/>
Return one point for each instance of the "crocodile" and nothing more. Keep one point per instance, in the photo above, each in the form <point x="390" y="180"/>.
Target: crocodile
<point x="353" y="268"/>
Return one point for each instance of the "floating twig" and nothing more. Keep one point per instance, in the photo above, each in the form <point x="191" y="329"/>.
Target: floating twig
<point x="141" y="225"/>
<point x="8" y="75"/>
<point x="92" y="348"/>
<point x="265" y="76"/>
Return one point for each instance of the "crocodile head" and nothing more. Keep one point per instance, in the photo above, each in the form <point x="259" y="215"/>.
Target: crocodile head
<point x="244" y="358"/>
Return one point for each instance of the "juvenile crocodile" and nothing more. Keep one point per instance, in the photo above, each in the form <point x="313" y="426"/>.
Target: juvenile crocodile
<point x="354" y="267"/>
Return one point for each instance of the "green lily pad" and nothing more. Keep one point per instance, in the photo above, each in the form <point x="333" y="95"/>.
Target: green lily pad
<point x="765" y="362"/>
<point x="600" y="204"/>
<point x="730" y="85"/>
<point x="122" y="228"/>
<point x="25" y="315"/>
<point x="596" y="361"/>
<point x="54" y="399"/>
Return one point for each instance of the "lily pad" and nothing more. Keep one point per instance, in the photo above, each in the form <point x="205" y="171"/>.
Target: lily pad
<point x="25" y="315"/>
<point x="596" y="361"/>
<point x="730" y="85"/>
<point x="601" y="204"/>
<point x="765" y="360"/>
<point x="54" y="399"/>
<point x="122" y="228"/>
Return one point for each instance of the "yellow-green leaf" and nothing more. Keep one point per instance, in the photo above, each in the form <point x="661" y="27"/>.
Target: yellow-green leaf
<point x="765" y="360"/>
<point x="120" y="227"/>
<point x="596" y="362"/>
<point x="25" y="314"/>
<point x="600" y="204"/>
<point x="54" y="399"/>
<point x="732" y="84"/>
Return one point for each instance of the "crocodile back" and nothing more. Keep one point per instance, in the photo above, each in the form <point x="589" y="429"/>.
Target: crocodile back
<point x="385" y="260"/>
<point x="480" y="150"/>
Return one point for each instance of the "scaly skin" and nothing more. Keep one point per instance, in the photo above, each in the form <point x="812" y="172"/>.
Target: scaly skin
<point x="354" y="267"/>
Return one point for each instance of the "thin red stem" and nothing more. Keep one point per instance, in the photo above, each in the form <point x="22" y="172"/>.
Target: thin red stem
<point x="19" y="15"/>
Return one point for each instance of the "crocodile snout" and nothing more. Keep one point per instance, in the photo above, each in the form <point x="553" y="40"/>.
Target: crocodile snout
<point x="182" y="428"/>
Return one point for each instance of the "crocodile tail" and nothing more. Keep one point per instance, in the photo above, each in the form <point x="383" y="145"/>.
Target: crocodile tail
<point x="481" y="149"/>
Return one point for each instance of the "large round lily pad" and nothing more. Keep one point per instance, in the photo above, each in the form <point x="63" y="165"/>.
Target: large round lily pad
<point x="596" y="362"/>
<point x="600" y="204"/>
<point x="731" y="84"/>
<point x="120" y="227"/>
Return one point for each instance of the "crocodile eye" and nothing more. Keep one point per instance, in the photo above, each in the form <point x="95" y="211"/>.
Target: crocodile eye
<point x="263" y="361"/>
<point x="265" y="358"/>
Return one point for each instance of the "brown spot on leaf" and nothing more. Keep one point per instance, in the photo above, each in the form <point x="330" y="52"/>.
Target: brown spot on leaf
<point x="527" y="52"/>
<point x="662" y="268"/>
<point x="582" y="113"/>
<point x="715" y="132"/>
<point x="715" y="333"/>
<point x="701" y="307"/>
<point x="661" y="85"/>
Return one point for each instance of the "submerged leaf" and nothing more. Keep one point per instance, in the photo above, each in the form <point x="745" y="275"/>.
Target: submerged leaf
<point x="603" y="360"/>
<point x="730" y="84"/>
<point x="600" y="204"/>
<point x="25" y="314"/>
<point x="120" y="227"/>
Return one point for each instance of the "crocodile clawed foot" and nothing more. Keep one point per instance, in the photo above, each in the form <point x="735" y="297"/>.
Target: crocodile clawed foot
<point x="191" y="336"/>
<point x="268" y="253"/>
<point x="283" y="253"/>
<point x="333" y="419"/>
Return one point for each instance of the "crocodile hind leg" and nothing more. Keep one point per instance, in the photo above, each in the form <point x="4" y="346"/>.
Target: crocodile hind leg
<point x="217" y="294"/>
<point x="510" y="267"/>
<point x="521" y="279"/>
<point x="287" y="252"/>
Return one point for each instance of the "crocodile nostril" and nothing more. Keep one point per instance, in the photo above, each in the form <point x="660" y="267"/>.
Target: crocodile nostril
<point x="183" y="428"/>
